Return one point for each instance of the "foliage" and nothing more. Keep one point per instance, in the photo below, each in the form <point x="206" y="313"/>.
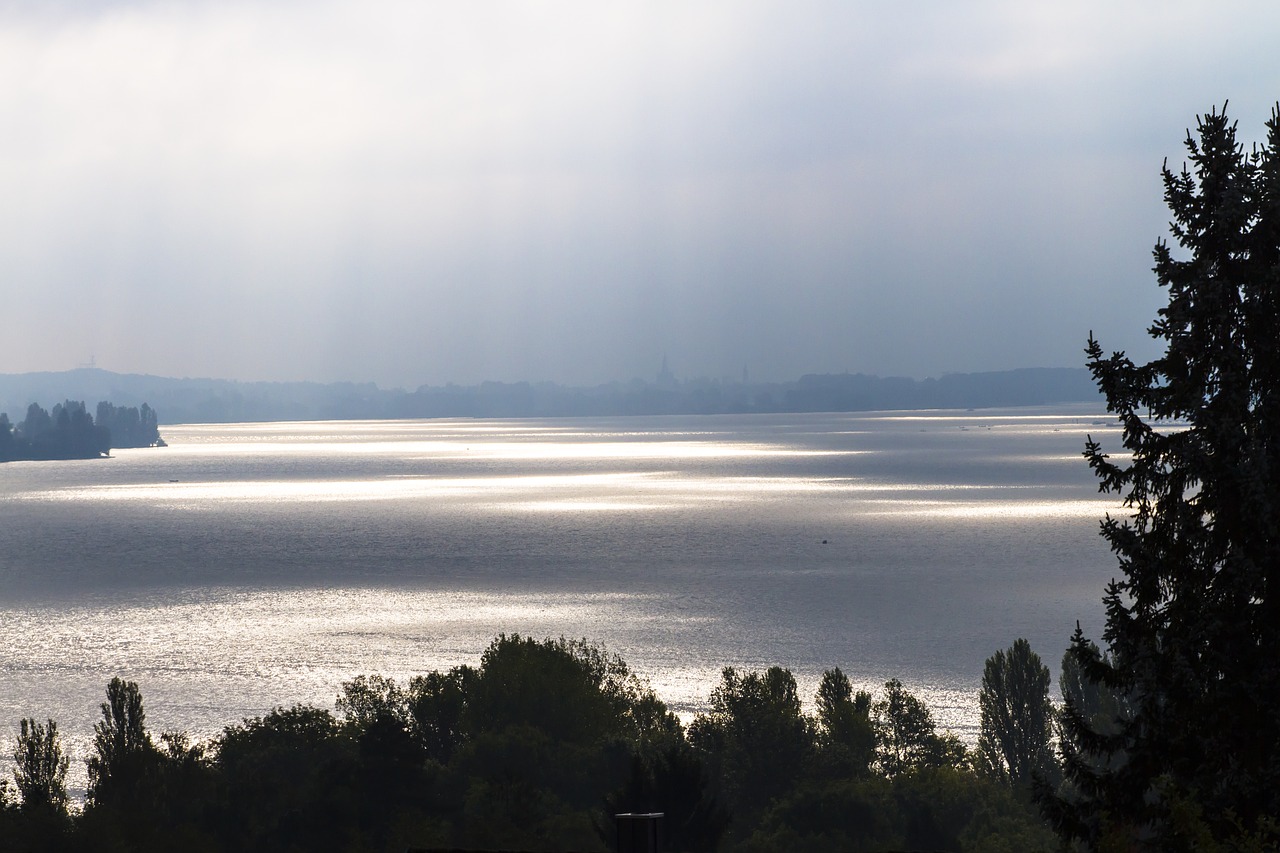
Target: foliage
<point x="549" y="722"/>
<point x="1193" y="625"/>
<point x="754" y="736"/>
<point x="70" y="432"/>
<point x="122" y="749"/>
<point x="368" y="698"/>
<point x="675" y="783"/>
<point x="40" y="767"/>
<point x="572" y="690"/>
<point x="436" y="704"/>
<point x="1016" y="717"/>
<point x="907" y="737"/>
<point x="41" y="824"/>
<point x="938" y="808"/>
<point x="846" y="735"/>
<point x="1103" y="709"/>
<point x="288" y="779"/>
<point x="954" y="808"/>
<point x="67" y="433"/>
<point x="848" y="815"/>
<point x="536" y="748"/>
<point x="130" y="426"/>
<point x="1091" y="706"/>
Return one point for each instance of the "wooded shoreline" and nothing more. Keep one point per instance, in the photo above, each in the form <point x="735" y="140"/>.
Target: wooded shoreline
<point x="70" y="432"/>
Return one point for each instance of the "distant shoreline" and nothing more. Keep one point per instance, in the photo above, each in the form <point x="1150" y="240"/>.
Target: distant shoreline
<point x="70" y="431"/>
<point x="227" y="401"/>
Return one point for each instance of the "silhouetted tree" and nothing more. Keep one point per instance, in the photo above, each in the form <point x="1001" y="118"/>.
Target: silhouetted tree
<point x="40" y="767"/>
<point x="302" y="779"/>
<point x="128" y="425"/>
<point x="955" y="808"/>
<point x="122" y="749"/>
<point x="572" y="690"/>
<point x="848" y="815"/>
<point x="67" y="433"/>
<point x="1103" y="709"/>
<point x="547" y="727"/>
<point x="367" y="698"/>
<point x="42" y="823"/>
<point x="907" y="735"/>
<point x="1016" y="716"/>
<point x="290" y="783"/>
<point x="10" y="820"/>
<point x="1193" y="626"/>
<point x="756" y="737"/>
<point x="437" y="702"/>
<point x="846" y="735"/>
<point x="6" y="438"/>
<point x="36" y="423"/>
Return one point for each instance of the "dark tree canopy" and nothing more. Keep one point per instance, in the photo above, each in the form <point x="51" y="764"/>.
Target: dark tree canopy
<point x="846" y="734"/>
<point x="1017" y="717"/>
<point x="908" y="736"/>
<point x="70" y="432"/>
<point x="1193" y="623"/>
<point x="130" y="426"/>
<point x="40" y="767"/>
<point x="483" y="758"/>
<point x="122" y="748"/>
<point x="755" y="737"/>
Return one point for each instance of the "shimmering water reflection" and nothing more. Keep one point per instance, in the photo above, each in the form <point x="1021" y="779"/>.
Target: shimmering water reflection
<point x="247" y="566"/>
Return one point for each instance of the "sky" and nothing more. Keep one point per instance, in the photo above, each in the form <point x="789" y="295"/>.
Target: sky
<point x="418" y="193"/>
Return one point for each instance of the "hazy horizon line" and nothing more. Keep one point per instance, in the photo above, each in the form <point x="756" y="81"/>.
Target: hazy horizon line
<point x="656" y="378"/>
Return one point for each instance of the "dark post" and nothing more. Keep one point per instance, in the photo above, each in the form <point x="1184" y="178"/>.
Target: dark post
<point x="639" y="833"/>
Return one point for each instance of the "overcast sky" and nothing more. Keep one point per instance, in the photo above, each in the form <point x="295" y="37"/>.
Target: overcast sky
<point x="415" y="192"/>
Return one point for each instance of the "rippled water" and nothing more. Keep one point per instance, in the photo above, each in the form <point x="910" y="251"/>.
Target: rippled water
<point x="247" y="566"/>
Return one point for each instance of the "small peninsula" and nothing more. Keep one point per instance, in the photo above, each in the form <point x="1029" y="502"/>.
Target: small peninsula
<point x="70" y="432"/>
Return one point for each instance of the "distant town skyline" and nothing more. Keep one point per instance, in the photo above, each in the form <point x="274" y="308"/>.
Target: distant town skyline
<point x="410" y="194"/>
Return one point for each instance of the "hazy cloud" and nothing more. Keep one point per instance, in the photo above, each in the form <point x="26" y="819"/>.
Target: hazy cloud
<point x="416" y="192"/>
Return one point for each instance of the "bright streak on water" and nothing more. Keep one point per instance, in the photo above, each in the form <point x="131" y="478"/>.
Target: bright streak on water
<point x="253" y="565"/>
<point x="1012" y="510"/>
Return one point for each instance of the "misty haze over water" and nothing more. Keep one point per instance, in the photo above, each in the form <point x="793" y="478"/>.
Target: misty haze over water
<point x="247" y="566"/>
<point x="184" y="401"/>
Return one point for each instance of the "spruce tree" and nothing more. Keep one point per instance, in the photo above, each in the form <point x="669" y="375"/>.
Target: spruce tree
<point x="1193" y="623"/>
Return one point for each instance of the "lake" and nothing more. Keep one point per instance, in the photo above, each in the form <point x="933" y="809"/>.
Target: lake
<point x="252" y="565"/>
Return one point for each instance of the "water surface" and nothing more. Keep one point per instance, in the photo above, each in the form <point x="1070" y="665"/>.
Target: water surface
<point x="249" y="566"/>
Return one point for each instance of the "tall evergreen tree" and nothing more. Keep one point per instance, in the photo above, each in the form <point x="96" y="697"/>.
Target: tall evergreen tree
<point x="1193" y="625"/>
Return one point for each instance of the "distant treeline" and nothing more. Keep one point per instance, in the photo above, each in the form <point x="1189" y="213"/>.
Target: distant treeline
<point x="221" y="401"/>
<point x="130" y="426"/>
<point x="70" y="432"/>
<point x="540" y="745"/>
